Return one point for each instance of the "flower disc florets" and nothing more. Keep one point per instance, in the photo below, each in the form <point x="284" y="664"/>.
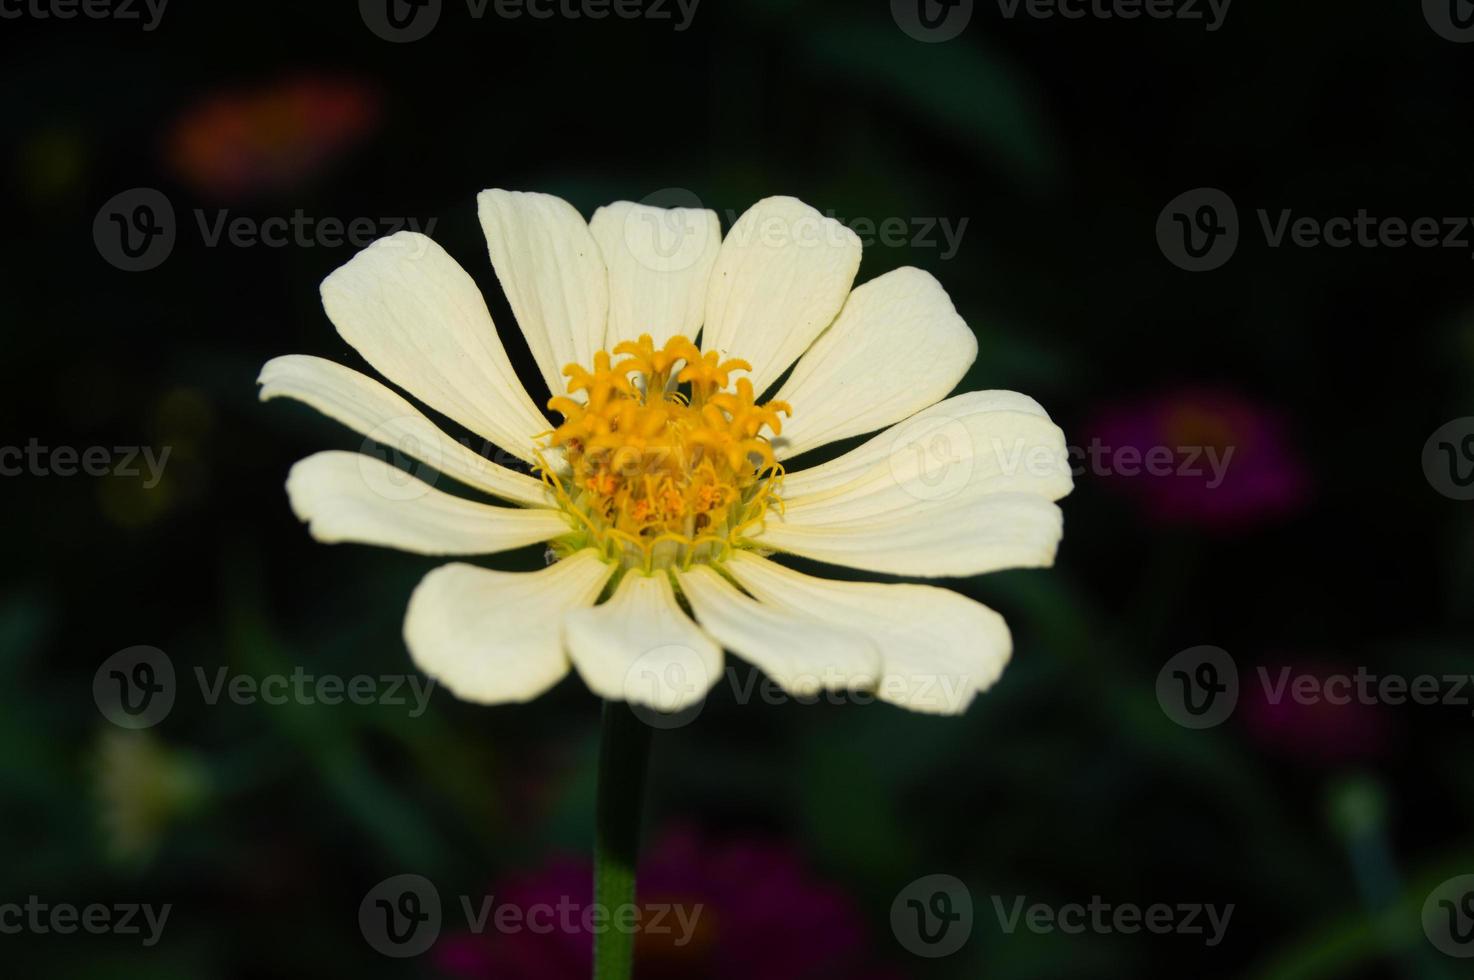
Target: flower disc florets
<point x="667" y="461"/>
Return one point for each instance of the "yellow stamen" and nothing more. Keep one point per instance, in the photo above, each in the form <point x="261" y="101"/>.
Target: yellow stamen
<point x="659" y="477"/>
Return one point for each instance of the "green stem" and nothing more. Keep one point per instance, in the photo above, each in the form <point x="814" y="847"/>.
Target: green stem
<point x="624" y="749"/>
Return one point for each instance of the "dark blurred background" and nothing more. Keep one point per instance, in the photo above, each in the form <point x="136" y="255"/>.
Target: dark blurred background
<point x="1049" y="149"/>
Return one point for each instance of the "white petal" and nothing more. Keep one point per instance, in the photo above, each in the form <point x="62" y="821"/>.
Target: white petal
<point x="974" y="443"/>
<point x="937" y="648"/>
<point x="782" y="274"/>
<point x="800" y="654"/>
<point x="639" y="646"/>
<point x="962" y="488"/>
<point x="372" y="410"/>
<point x="965" y="537"/>
<point x="493" y="637"/>
<point x="554" y="277"/>
<point x="897" y="347"/>
<point x="418" y="318"/>
<point x="659" y="263"/>
<point x="356" y="498"/>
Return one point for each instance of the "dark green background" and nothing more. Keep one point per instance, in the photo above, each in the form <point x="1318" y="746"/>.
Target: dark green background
<point x="1060" y="142"/>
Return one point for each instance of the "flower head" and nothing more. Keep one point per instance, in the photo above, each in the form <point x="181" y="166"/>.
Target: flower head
<point x="667" y="479"/>
<point x="657" y="477"/>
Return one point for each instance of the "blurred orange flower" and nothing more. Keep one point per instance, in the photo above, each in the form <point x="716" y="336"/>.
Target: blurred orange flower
<point x="241" y="143"/>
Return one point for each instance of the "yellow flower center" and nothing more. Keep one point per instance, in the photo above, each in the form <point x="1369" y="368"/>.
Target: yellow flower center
<point x="667" y="462"/>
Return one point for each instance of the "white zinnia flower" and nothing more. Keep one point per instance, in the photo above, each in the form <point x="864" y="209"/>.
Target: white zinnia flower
<point x="664" y="487"/>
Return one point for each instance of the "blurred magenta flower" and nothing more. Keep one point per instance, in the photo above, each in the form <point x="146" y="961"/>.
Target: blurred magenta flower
<point x="1197" y="455"/>
<point x="747" y="909"/>
<point x="239" y="143"/>
<point x="1315" y="714"/>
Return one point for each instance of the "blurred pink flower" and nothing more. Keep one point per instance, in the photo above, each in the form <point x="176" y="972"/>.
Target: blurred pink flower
<point x="754" y="912"/>
<point x="1198" y="455"/>
<point x="239" y="143"/>
<point x="1292" y="711"/>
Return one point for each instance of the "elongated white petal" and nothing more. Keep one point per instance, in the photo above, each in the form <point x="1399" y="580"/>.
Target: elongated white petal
<point x="937" y="648"/>
<point x="897" y="347"/>
<point x="801" y="655"/>
<point x="975" y="443"/>
<point x="350" y="497"/>
<point x="639" y="646"/>
<point x="493" y="637"/>
<point x="418" y="318"/>
<point x="374" y="411"/>
<point x="553" y="274"/>
<point x="782" y="274"/>
<point x="963" y="537"/>
<point x="659" y="262"/>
